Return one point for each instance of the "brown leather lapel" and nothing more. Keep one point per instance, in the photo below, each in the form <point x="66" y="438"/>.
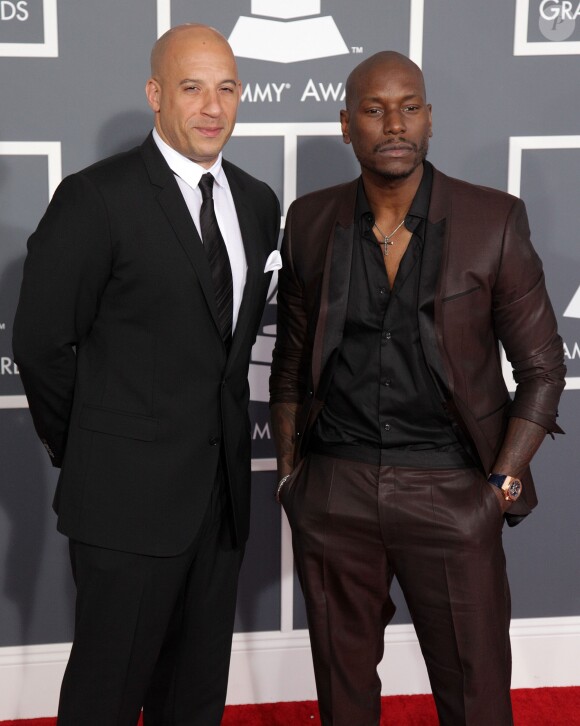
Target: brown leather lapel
<point x="335" y="283"/>
<point x="433" y="267"/>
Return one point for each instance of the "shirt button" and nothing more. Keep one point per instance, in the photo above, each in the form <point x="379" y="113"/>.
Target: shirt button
<point x="387" y="383"/>
<point x="387" y="427"/>
<point x="382" y="290"/>
<point x="387" y="335"/>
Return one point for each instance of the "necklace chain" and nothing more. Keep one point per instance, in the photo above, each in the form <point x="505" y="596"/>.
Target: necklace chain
<point x="388" y="238"/>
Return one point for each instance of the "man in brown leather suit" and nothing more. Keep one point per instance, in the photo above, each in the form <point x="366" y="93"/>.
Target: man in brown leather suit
<point x="400" y="452"/>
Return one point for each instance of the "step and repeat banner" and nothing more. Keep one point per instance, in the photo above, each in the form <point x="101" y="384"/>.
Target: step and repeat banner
<point x="502" y="77"/>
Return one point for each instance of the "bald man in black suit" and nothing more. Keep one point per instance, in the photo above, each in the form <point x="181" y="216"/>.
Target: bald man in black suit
<point x="141" y="398"/>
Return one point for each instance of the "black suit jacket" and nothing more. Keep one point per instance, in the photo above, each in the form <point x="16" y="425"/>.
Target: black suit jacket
<point x="481" y="283"/>
<point x="117" y="341"/>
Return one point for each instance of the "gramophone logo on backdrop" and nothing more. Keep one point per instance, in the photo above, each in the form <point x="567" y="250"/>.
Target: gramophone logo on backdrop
<point x="573" y="309"/>
<point x="569" y="332"/>
<point x="558" y="19"/>
<point x="547" y="27"/>
<point x="28" y="28"/>
<point x="286" y="32"/>
<point x="294" y="55"/>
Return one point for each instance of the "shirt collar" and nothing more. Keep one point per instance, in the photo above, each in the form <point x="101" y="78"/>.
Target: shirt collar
<point x="420" y="204"/>
<point x="185" y="168"/>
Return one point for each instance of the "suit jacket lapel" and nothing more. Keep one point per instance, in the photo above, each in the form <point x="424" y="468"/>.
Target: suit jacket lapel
<point x="334" y="289"/>
<point x="255" y="260"/>
<point x="432" y="271"/>
<point x="172" y="203"/>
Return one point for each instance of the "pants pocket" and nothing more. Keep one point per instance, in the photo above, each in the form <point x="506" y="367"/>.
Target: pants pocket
<point x="288" y="490"/>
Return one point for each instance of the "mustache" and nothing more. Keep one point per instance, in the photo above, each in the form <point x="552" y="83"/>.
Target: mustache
<point x="395" y="143"/>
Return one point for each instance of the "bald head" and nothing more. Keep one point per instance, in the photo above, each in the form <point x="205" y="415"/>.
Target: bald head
<point x="385" y="64"/>
<point x="191" y="36"/>
<point x="194" y="91"/>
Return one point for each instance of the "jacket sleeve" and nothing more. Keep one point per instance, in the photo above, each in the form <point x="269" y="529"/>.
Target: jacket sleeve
<point x="291" y="354"/>
<point x="526" y="326"/>
<point x="66" y="269"/>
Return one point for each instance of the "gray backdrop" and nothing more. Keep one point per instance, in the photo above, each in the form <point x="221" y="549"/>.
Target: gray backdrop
<point x="74" y="73"/>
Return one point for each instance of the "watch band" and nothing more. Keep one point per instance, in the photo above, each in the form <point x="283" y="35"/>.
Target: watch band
<point x="497" y="479"/>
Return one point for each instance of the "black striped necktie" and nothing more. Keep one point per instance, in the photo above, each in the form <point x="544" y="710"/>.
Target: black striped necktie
<point x="217" y="256"/>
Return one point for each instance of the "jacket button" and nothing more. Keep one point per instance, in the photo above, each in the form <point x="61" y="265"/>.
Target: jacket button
<point x="214" y="441"/>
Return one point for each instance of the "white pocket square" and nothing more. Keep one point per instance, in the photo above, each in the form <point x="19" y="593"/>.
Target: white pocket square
<point x="274" y="262"/>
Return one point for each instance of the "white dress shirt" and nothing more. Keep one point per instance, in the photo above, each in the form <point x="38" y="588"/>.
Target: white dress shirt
<point x="188" y="173"/>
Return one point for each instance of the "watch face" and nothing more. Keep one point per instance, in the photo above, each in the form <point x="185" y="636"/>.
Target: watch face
<point x="514" y="489"/>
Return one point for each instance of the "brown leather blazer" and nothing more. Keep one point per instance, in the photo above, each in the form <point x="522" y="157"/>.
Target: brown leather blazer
<point x="481" y="282"/>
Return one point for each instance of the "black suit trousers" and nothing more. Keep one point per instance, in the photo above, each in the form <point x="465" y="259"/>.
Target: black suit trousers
<point x="153" y="632"/>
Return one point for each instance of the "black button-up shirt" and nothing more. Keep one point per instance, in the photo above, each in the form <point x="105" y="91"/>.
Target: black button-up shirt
<point x="382" y="405"/>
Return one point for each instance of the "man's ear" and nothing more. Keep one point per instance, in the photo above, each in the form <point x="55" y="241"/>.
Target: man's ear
<point x="344" y="125"/>
<point x="153" y="93"/>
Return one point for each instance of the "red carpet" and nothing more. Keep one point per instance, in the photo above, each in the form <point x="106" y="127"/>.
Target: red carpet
<point x="532" y="707"/>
